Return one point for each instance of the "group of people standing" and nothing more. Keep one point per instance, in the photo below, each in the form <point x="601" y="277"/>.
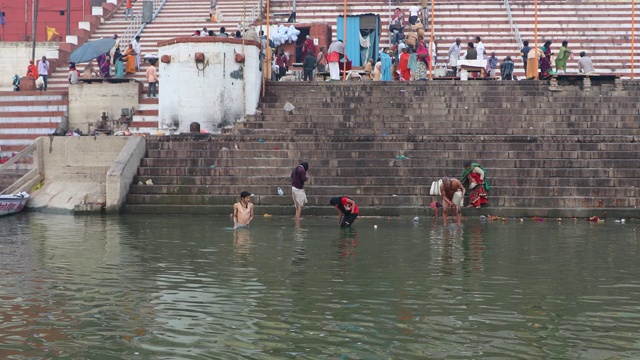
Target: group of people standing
<point x="544" y="59"/>
<point x="473" y="181"/>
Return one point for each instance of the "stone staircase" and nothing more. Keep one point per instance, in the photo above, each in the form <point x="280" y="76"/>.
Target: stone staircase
<point x="568" y="153"/>
<point x="178" y="18"/>
<point x="27" y="115"/>
<point x="600" y="28"/>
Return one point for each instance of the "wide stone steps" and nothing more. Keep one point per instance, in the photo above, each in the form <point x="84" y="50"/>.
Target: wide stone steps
<point x="389" y="170"/>
<point x="604" y="24"/>
<point x="363" y="201"/>
<point x="282" y="181"/>
<point x="390" y="153"/>
<point x="27" y="115"/>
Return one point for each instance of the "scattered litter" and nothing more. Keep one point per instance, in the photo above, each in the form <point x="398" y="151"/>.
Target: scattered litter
<point x="288" y="107"/>
<point x="401" y="157"/>
<point x="521" y="220"/>
<point x="261" y="140"/>
<point x="140" y="183"/>
<point x="225" y="148"/>
<point x="275" y="148"/>
<point x="623" y="221"/>
<point x="416" y="219"/>
<point x="394" y="195"/>
<point x="482" y="217"/>
<point x="212" y="166"/>
<point x="149" y="182"/>
<point x="539" y="219"/>
<point x="403" y="90"/>
<point x="595" y="219"/>
<point x="267" y="215"/>
<point x="280" y="192"/>
<point x="385" y="134"/>
<point x="236" y="146"/>
<point x="559" y="219"/>
<point x="617" y="221"/>
<point x="375" y="226"/>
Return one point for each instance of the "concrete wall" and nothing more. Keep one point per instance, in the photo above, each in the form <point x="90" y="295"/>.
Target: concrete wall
<point x="88" y="101"/>
<point x="74" y="168"/>
<point x="15" y="56"/>
<point x="211" y="93"/>
<point x="121" y="173"/>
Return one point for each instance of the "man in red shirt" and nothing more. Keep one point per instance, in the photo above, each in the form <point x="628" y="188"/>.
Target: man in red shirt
<point x="128" y="10"/>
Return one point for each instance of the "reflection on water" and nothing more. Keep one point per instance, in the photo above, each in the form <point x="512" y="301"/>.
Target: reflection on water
<point x="191" y="288"/>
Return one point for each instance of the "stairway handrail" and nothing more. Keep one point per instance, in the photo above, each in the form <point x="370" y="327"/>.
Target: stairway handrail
<point x="137" y="25"/>
<point x="513" y="25"/>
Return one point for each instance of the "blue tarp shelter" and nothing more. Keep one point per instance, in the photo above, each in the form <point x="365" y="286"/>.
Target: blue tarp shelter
<point x="359" y="27"/>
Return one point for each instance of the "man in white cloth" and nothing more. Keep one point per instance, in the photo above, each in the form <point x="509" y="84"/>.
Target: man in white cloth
<point x="480" y="48"/>
<point x="298" y="177"/>
<point x="454" y="55"/>
<point x="414" y="11"/>
<point x="136" y="48"/>
<point x="336" y="52"/>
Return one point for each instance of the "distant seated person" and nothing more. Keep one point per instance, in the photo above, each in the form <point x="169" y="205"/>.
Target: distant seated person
<point x="585" y="66"/>
<point x="89" y="71"/>
<point x="473" y="177"/>
<point x="74" y="74"/>
<point x="16" y="82"/>
<point x="194" y="127"/>
<point x="347" y="210"/>
<point x="238" y="35"/>
<point x="32" y="70"/>
<point x="472" y="53"/>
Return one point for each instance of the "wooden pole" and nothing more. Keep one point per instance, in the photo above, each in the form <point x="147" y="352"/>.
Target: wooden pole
<point x="344" y="36"/>
<point x="267" y="60"/>
<point x="535" y="37"/>
<point x="633" y="36"/>
<point x="431" y="56"/>
<point x="244" y="79"/>
<point x="34" y="29"/>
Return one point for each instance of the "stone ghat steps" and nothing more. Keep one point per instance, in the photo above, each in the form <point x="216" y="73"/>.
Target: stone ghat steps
<point x="419" y="189"/>
<point x="282" y="180"/>
<point x="445" y="129"/>
<point x="373" y="200"/>
<point x="586" y="165"/>
<point x="381" y="211"/>
<point x="400" y="168"/>
<point x="27" y="115"/>
<point x="296" y="154"/>
<point x="537" y="144"/>
<point x="8" y="177"/>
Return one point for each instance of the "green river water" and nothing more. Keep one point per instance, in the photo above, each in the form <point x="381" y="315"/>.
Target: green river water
<point x="189" y="287"/>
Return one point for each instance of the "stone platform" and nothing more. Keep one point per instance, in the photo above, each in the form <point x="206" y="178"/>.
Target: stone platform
<point x="567" y="153"/>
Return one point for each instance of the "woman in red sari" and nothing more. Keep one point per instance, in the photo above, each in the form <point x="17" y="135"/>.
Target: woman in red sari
<point x="473" y="178"/>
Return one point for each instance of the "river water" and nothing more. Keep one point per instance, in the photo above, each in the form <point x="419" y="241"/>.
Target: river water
<point x="189" y="287"/>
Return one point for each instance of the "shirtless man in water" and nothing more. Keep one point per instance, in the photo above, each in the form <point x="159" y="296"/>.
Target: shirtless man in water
<point x="447" y="189"/>
<point x="243" y="211"/>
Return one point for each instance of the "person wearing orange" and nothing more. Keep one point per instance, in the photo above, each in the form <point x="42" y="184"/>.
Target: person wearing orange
<point x="347" y="210"/>
<point x="130" y="60"/>
<point x="403" y="66"/>
<point x="32" y="70"/>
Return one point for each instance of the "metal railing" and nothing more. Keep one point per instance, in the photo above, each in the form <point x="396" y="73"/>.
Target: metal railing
<point x="513" y="25"/>
<point x="137" y="25"/>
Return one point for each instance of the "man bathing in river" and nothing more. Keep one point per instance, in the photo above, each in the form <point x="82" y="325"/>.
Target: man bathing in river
<point x="448" y="188"/>
<point x="243" y="211"/>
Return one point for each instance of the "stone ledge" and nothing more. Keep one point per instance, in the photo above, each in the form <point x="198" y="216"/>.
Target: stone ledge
<point x="223" y="210"/>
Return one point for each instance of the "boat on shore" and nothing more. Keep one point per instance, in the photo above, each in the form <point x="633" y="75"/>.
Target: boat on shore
<point x="11" y="204"/>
